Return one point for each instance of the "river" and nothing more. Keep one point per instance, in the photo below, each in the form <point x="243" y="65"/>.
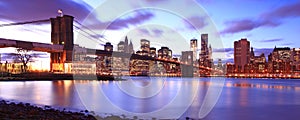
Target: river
<point x="166" y="97"/>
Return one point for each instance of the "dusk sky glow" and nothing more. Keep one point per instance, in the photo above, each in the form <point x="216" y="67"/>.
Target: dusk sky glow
<point x="265" y="24"/>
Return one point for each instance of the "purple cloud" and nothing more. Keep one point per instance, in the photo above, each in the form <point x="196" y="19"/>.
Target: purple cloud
<point x="157" y="32"/>
<point x="272" y="40"/>
<point x="268" y="19"/>
<point x="15" y="10"/>
<point x="237" y="26"/>
<point x="266" y="51"/>
<point x="151" y="32"/>
<point x="258" y="51"/>
<point x="138" y="18"/>
<point x="196" y="22"/>
<point x="228" y="50"/>
<point x="287" y="11"/>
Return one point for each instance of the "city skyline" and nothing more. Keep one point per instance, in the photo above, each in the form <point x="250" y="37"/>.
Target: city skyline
<point x="150" y="59"/>
<point x="258" y="25"/>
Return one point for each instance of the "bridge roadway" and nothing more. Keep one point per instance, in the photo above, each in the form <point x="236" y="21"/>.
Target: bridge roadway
<point x="35" y="46"/>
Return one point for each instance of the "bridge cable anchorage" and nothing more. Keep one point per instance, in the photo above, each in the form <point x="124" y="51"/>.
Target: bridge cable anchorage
<point x="27" y="22"/>
<point x="88" y="35"/>
<point x="90" y="31"/>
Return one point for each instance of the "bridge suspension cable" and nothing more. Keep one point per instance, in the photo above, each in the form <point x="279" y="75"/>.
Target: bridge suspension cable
<point x="89" y="32"/>
<point x="86" y="34"/>
<point x="27" y="22"/>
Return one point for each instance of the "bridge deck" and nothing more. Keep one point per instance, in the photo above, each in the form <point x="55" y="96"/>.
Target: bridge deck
<point x="44" y="47"/>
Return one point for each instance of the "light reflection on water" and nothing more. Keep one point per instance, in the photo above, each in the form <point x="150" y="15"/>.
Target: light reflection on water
<point x="240" y="98"/>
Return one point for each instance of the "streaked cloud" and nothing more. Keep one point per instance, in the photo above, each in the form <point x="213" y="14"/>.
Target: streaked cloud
<point x="272" y="40"/>
<point x="196" y="22"/>
<point x="16" y="10"/>
<point x="273" y="18"/>
<point x="121" y="23"/>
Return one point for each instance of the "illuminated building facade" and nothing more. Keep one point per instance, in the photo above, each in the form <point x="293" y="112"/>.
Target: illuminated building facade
<point x="141" y="67"/>
<point x="257" y="64"/>
<point x="279" y="61"/>
<point x="205" y="53"/>
<point x="241" y="54"/>
<point x="145" y="47"/>
<point x="164" y="53"/>
<point x="295" y="57"/>
<point x="194" y="48"/>
<point x="12" y="67"/>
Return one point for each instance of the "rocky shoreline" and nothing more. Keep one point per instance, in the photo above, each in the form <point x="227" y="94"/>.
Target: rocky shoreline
<point x="12" y="110"/>
<point x="26" y="111"/>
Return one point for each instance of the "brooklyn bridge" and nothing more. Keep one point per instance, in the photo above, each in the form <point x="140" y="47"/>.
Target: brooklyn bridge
<point x="65" y="56"/>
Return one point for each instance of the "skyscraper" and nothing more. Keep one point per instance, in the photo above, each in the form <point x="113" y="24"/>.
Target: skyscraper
<point x="295" y="58"/>
<point x="145" y="46"/>
<point x="204" y="59"/>
<point x="241" y="54"/>
<point x="165" y="53"/>
<point x="204" y="47"/>
<point x="194" y="48"/>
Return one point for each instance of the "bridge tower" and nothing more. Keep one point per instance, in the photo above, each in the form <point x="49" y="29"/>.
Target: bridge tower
<point x="62" y="34"/>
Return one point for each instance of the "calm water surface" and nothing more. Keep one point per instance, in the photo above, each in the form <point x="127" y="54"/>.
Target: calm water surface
<point x="166" y="97"/>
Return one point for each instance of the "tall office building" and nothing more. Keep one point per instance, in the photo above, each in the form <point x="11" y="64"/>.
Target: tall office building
<point x="145" y="46"/>
<point x="165" y="53"/>
<point x="194" y="48"/>
<point x="241" y="54"/>
<point x="295" y="56"/>
<point x="204" y="56"/>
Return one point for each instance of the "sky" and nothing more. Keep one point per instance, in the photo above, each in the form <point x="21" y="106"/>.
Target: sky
<point x="172" y="23"/>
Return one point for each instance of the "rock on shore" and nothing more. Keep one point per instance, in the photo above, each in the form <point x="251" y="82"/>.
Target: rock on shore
<point x="26" y="111"/>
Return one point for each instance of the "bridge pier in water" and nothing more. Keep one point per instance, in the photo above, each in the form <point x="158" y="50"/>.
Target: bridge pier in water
<point x="187" y="70"/>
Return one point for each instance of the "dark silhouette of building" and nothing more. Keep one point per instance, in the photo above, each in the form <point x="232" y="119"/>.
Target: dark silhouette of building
<point x="241" y="54"/>
<point x="123" y="46"/>
<point x="62" y="34"/>
<point x="187" y="69"/>
<point x="108" y="46"/>
<point x="153" y="52"/>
